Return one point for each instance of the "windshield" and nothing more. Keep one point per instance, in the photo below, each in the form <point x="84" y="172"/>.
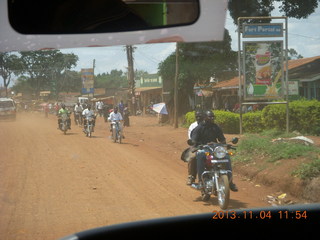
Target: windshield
<point x="260" y="84"/>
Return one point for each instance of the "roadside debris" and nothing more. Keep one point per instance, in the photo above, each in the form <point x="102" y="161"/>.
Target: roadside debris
<point x="279" y="199"/>
<point x="299" y="139"/>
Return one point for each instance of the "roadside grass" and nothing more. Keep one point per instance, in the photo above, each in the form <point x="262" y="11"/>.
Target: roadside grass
<point x="254" y="146"/>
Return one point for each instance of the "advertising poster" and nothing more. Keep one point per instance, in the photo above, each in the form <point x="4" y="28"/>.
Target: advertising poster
<point x="263" y="68"/>
<point x="87" y="78"/>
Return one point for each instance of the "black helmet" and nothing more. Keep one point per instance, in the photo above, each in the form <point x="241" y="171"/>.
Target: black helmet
<point x="199" y="115"/>
<point x="209" y="114"/>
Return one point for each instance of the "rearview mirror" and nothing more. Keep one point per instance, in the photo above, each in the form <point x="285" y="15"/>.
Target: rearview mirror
<point x="81" y="23"/>
<point x="235" y="140"/>
<point x="190" y="142"/>
<point x="99" y="16"/>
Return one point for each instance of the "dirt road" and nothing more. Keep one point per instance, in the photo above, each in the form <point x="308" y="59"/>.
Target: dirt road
<point x="54" y="185"/>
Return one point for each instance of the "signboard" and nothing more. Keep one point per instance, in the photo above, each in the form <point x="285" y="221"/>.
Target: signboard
<point x="293" y="88"/>
<point x="87" y="78"/>
<point x="263" y="68"/>
<point x="262" y="30"/>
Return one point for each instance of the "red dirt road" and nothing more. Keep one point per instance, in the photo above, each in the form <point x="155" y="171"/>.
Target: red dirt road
<point x="54" y="185"/>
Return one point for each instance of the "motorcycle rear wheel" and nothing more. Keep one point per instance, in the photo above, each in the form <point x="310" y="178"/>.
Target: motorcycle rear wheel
<point x="223" y="191"/>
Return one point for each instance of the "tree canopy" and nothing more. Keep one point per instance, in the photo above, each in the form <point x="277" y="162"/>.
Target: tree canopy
<point x="255" y="8"/>
<point x="47" y="70"/>
<point x="198" y="62"/>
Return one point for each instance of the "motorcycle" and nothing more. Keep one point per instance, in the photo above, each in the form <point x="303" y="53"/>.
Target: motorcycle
<point x="116" y="132"/>
<point x="89" y="125"/>
<point x="64" y="126"/>
<point x="78" y="118"/>
<point x="214" y="179"/>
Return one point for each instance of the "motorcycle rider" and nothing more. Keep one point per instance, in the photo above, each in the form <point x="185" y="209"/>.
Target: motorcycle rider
<point x="204" y="133"/>
<point x="192" y="163"/>
<point x="78" y="112"/>
<point x="61" y="111"/>
<point x="116" y="116"/>
<point x="88" y="113"/>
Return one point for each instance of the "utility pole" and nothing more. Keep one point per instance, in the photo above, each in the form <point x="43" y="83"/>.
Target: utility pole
<point x="129" y="50"/>
<point x="175" y="116"/>
<point x="93" y="66"/>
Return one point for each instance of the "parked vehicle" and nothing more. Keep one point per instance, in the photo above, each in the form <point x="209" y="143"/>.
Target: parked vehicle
<point x="215" y="179"/>
<point x="7" y="109"/>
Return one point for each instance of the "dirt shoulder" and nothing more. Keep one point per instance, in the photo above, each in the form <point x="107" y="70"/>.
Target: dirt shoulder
<point x="275" y="175"/>
<point x="279" y="174"/>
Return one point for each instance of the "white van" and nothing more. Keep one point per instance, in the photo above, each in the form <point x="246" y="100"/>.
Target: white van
<point x="7" y="109"/>
<point x="83" y="100"/>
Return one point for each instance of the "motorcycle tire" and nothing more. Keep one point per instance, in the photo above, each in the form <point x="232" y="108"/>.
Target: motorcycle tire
<point x="114" y="135"/>
<point x="120" y="138"/>
<point x="223" y="191"/>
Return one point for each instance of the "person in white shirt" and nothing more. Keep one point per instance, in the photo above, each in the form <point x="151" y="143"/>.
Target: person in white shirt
<point x="192" y="164"/>
<point x="78" y="113"/>
<point x="99" y="107"/>
<point x="116" y="116"/>
<point x="88" y="113"/>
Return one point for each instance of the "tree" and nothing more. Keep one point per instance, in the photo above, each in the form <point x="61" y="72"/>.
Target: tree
<point x="8" y="65"/>
<point x="197" y="63"/>
<point x="291" y="8"/>
<point x="114" y="79"/>
<point x="293" y="54"/>
<point x="47" y="70"/>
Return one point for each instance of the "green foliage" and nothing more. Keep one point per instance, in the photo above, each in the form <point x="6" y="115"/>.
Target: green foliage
<point x="197" y="63"/>
<point x="114" y="79"/>
<point x="252" y="122"/>
<point x="304" y="116"/>
<point x="228" y="121"/>
<point x="189" y="118"/>
<point x="47" y="70"/>
<point x="308" y="170"/>
<point x="254" y="146"/>
<point x="274" y="116"/>
<point x="292" y="8"/>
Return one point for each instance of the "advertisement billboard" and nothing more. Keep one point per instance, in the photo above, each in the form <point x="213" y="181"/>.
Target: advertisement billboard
<point x="263" y="70"/>
<point x="87" y="78"/>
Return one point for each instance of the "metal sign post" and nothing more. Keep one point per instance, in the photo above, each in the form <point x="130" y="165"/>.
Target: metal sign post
<point x="261" y="64"/>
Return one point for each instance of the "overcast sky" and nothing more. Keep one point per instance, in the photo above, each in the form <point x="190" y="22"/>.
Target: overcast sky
<point x="304" y="37"/>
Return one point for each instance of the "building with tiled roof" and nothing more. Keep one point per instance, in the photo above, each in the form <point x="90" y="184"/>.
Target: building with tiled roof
<point x="305" y="70"/>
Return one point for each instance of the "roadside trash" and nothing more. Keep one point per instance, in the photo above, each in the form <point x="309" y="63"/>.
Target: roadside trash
<point x="299" y="139"/>
<point x="279" y="200"/>
<point x="282" y="196"/>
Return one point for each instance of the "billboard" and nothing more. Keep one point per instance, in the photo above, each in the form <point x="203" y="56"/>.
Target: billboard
<point x="263" y="70"/>
<point x="87" y="78"/>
